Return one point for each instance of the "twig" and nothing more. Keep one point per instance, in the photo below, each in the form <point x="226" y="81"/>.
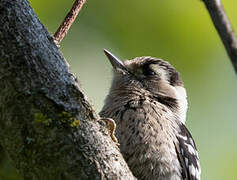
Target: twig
<point x="224" y="28"/>
<point x="68" y="21"/>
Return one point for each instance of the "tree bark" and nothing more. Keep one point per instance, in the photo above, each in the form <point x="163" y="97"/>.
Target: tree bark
<point x="48" y="128"/>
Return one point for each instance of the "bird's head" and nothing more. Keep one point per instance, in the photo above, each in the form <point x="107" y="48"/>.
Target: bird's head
<point x="153" y="75"/>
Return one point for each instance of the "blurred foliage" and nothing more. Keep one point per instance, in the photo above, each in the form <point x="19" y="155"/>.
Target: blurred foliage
<point x="178" y="31"/>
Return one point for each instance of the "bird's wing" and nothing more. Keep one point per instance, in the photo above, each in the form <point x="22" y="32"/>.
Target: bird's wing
<point x="187" y="154"/>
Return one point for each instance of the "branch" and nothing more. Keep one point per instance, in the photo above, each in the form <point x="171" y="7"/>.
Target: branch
<point x="224" y="28"/>
<point x="47" y="126"/>
<point x="68" y="21"/>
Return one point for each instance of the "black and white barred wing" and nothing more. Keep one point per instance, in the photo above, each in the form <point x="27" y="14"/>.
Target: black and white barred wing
<point x="188" y="155"/>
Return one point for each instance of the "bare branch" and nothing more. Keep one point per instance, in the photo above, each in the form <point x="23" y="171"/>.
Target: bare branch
<point x="223" y="27"/>
<point x="68" y="21"/>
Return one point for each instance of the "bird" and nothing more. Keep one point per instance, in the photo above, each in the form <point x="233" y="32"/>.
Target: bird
<point x="148" y="102"/>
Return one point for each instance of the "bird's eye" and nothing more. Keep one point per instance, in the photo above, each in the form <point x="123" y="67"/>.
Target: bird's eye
<point x="147" y="70"/>
<point x="175" y="78"/>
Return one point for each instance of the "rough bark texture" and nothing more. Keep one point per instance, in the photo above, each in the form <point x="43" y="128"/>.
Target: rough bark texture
<point x="224" y="29"/>
<point x="47" y="126"/>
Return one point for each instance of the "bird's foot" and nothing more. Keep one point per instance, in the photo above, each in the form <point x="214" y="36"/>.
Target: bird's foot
<point x="111" y="125"/>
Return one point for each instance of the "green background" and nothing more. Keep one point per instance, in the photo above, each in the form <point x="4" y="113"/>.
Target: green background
<point x="180" y="32"/>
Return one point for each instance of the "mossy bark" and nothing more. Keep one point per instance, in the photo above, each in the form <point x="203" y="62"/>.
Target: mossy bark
<point x="48" y="128"/>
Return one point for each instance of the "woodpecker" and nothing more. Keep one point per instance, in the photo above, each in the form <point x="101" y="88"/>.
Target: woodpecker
<point x="147" y="100"/>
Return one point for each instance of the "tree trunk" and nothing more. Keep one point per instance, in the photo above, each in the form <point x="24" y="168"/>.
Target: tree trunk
<point x="48" y="128"/>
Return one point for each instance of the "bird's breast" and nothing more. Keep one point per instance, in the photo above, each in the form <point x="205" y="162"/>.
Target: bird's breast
<point x="144" y="131"/>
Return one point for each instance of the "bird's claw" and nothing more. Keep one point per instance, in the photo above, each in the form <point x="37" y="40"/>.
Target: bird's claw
<point x="111" y="127"/>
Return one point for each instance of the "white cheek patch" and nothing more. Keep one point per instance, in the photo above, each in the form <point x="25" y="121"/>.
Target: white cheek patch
<point x="182" y="102"/>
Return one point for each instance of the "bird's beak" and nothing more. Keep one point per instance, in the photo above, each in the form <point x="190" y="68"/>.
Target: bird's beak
<point x="116" y="62"/>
